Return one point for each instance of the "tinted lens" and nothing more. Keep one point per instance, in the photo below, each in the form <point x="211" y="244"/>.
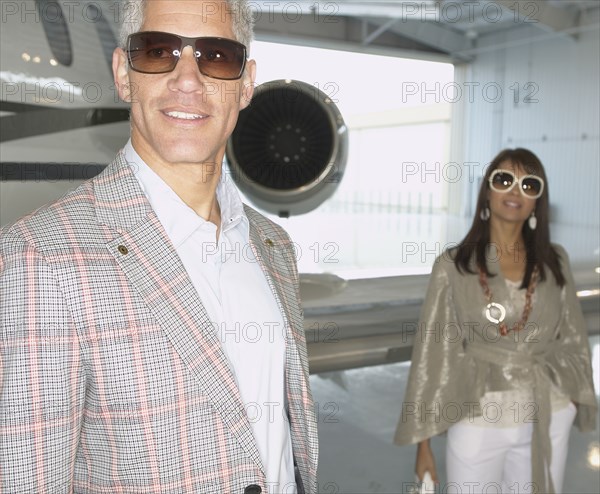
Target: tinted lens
<point x="531" y="186"/>
<point x="156" y="52"/>
<point x="502" y="181"/>
<point x="153" y="53"/>
<point x="220" y="58"/>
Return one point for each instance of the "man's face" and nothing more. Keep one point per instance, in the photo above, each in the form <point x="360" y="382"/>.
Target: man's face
<point x="183" y="116"/>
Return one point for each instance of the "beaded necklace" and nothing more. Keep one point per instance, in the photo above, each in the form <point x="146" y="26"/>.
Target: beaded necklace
<point x="497" y="317"/>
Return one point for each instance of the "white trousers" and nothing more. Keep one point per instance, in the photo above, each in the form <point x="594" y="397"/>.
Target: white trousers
<point x="495" y="460"/>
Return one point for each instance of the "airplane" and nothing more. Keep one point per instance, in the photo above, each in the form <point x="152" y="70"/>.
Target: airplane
<point x="62" y="122"/>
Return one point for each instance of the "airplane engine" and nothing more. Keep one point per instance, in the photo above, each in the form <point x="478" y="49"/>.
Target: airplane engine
<point x="289" y="148"/>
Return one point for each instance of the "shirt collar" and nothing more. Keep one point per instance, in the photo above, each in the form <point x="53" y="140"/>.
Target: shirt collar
<point x="177" y="218"/>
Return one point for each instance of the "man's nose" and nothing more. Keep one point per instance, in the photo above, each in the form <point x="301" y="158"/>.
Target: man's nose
<point x="187" y="75"/>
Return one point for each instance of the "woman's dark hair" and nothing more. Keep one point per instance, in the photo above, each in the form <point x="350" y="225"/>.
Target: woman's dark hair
<point x="539" y="251"/>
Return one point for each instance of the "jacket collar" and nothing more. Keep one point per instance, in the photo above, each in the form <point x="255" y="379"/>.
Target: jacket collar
<point x="120" y="202"/>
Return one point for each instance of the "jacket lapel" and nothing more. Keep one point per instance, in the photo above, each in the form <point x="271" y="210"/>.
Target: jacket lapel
<point x="273" y="252"/>
<point x="146" y="255"/>
<point x="271" y="257"/>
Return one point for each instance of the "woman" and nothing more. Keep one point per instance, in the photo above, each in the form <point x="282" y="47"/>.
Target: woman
<point x="501" y="360"/>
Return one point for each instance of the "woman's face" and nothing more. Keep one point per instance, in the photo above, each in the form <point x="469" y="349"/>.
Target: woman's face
<point x="512" y="206"/>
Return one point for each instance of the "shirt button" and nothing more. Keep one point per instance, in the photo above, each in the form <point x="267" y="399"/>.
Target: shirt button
<point x="123" y="250"/>
<point x="253" y="489"/>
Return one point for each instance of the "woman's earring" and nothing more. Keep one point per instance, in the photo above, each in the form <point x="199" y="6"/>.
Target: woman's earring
<point x="532" y="221"/>
<point x="484" y="214"/>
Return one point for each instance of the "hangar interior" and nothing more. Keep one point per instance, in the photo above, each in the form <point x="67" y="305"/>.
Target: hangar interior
<point x="522" y="74"/>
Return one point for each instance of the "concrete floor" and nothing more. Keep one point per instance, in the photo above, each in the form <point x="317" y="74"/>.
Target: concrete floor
<point x="357" y="414"/>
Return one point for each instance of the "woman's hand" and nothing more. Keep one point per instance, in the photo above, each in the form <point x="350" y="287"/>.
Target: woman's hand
<point x="425" y="461"/>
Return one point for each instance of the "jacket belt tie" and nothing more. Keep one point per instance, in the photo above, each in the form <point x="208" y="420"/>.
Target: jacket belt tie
<point x="541" y="446"/>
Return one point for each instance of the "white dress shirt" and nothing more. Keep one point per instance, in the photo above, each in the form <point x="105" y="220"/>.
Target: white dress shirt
<point x="241" y="305"/>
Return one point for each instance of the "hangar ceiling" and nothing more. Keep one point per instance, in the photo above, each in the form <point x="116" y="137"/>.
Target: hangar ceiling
<point x="449" y="30"/>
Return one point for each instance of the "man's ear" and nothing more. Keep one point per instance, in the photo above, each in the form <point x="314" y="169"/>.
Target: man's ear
<point x="248" y="81"/>
<point x="121" y="75"/>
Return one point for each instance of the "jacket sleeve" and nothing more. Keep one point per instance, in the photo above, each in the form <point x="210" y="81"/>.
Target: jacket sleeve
<point x="437" y="393"/>
<point x="41" y="377"/>
<point x="569" y="359"/>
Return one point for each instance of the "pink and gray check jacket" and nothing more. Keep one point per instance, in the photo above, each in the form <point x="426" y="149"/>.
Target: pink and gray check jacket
<point x="112" y="379"/>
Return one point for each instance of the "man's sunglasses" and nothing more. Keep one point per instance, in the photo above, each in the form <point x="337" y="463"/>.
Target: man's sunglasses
<point x="531" y="186"/>
<point x="154" y="52"/>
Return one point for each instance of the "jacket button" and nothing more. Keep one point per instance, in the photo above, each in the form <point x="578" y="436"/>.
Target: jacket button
<point x="253" y="489"/>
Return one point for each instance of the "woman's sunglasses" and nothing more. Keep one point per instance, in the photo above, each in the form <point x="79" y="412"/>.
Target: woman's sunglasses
<point x="154" y="52"/>
<point x="531" y="186"/>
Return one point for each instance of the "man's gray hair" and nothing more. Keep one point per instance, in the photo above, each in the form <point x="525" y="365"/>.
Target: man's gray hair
<point x="238" y="11"/>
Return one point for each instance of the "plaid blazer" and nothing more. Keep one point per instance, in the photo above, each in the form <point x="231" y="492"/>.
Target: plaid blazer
<point x="112" y="379"/>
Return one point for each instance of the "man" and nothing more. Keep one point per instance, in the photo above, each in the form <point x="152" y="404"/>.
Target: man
<point x="144" y="347"/>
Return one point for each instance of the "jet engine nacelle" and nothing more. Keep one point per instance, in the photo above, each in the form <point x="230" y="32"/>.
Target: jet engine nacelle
<point x="289" y="148"/>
